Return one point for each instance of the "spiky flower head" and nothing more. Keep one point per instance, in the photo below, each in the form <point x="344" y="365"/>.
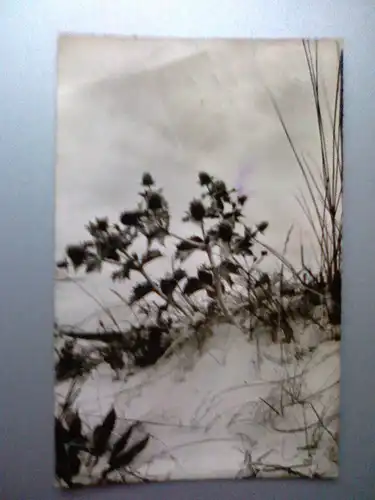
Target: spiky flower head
<point x="197" y="210"/>
<point x="262" y="226"/>
<point x="147" y="180"/>
<point x="225" y="231"/>
<point x="154" y="201"/>
<point x="204" y="179"/>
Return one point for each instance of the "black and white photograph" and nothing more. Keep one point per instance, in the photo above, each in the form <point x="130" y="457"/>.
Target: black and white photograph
<point x="198" y="249"/>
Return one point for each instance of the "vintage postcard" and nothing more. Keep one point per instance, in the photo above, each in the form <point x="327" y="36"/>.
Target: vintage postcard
<point x="198" y="259"/>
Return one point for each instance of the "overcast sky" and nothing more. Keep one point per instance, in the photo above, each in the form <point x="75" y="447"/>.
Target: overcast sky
<point x="174" y="108"/>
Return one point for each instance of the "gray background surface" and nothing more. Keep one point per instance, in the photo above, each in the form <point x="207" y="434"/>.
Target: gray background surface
<point x="27" y="155"/>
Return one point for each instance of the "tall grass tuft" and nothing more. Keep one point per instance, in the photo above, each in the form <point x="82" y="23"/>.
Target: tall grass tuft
<point x="321" y="200"/>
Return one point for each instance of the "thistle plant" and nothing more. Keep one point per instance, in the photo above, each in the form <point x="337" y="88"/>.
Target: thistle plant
<point x="225" y="241"/>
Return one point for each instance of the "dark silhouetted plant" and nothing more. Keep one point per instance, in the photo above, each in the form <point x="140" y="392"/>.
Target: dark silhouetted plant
<point x="221" y="236"/>
<point x="73" y="447"/>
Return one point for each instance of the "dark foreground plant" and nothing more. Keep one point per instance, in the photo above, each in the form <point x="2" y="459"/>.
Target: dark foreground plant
<point x="70" y="363"/>
<point x="227" y="248"/>
<point x="76" y="451"/>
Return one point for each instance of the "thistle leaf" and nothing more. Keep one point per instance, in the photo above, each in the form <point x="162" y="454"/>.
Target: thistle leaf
<point x="124" y="272"/>
<point x="168" y="285"/>
<point x="228" y="266"/>
<point x="140" y="291"/>
<point x="190" y="243"/>
<point x="186" y="247"/>
<point x="132" y="218"/>
<point x="150" y="256"/>
<point x="93" y="264"/>
<point x="62" y="264"/>
<point x="179" y="274"/>
<point x="77" y="254"/>
<point x="205" y="276"/>
<point x="264" y="279"/>
<point x="158" y="234"/>
<point x="262" y="226"/>
<point x="193" y="285"/>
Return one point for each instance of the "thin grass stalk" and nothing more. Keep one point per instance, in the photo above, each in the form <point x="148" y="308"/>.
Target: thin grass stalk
<point x="324" y="210"/>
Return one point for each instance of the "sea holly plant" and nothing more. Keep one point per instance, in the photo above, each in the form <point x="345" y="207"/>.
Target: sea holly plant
<point x="226" y="243"/>
<point x="226" y="285"/>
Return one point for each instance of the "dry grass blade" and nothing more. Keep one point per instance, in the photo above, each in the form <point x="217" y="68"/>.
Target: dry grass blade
<point x="323" y="205"/>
